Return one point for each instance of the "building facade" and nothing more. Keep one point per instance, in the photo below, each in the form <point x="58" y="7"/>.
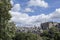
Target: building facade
<point x="48" y="25"/>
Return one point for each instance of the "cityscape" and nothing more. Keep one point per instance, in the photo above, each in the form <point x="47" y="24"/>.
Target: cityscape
<point x="29" y="19"/>
<point x="38" y="30"/>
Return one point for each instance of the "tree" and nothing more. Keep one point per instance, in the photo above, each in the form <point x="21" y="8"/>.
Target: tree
<point x="52" y="34"/>
<point x="45" y="35"/>
<point x="6" y="30"/>
<point x="27" y="36"/>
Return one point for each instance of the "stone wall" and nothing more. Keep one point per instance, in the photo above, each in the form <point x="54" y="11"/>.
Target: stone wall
<point x="47" y="25"/>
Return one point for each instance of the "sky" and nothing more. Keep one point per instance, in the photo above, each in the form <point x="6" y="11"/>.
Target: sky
<point x="28" y="13"/>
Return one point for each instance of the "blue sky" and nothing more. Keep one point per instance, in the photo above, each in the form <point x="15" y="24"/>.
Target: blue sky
<point x="34" y="12"/>
<point x="53" y="4"/>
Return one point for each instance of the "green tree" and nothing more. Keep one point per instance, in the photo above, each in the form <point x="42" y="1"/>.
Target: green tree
<point x="45" y="35"/>
<point x="27" y="36"/>
<point x="54" y="33"/>
<point x="6" y="30"/>
<point x="51" y="34"/>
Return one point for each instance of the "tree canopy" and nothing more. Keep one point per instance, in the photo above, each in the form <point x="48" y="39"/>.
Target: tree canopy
<point x="6" y="27"/>
<point x="27" y="36"/>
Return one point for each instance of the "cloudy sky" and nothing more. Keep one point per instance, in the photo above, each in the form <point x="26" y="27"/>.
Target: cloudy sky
<point x="34" y="12"/>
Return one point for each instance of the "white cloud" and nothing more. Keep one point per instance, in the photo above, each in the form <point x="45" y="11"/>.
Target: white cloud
<point x="56" y="14"/>
<point x="28" y="10"/>
<point x="40" y="3"/>
<point x="26" y="20"/>
<point x="16" y="7"/>
<point x="58" y="10"/>
<point x="11" y="1"/>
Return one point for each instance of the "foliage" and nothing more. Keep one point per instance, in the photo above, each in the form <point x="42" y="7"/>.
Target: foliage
<point x="7" y="29"/>
<point x="27" y="36"/>
<point x="52" y="34"/>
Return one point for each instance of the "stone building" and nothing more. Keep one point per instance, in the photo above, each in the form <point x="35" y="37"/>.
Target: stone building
<point x="47" y="25"/>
